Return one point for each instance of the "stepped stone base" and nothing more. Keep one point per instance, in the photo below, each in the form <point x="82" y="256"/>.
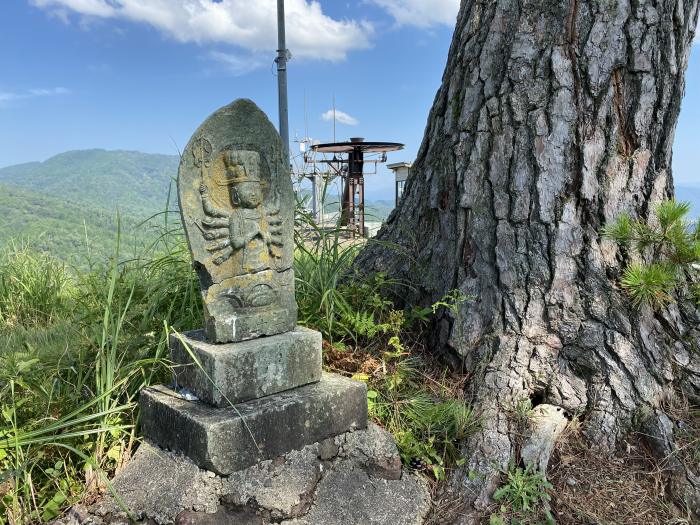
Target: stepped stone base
<point x="236" y="372"/>
<point x="225" y="440"/>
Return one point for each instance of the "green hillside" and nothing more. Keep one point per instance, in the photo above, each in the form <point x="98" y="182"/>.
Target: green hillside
<point x="55" y="203"/>
<point x="135" y="182"/>
<point x="67" y="229"/>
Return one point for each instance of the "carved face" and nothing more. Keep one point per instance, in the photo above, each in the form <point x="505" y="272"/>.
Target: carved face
<point x="243" y="173"/>
<point x="247" y="194"/>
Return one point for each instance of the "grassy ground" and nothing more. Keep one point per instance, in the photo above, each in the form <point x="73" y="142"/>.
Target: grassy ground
<point x="77" y="343"/>
<point x="76" y="346"/>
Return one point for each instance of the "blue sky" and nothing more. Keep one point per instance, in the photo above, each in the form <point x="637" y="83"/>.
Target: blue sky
<point x="142" y="74"/>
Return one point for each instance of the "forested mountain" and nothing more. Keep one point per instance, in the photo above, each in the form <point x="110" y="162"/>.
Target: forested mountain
<point x="134" y="182"/>
<point x="56" y="203"/>
<point x="70" y="202"/>
<point x="68" y="229"/>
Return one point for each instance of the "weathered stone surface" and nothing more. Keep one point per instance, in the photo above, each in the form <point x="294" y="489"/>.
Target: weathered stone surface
<point x="237" y="207"/>
<point x="163" y="487"/>
<point x="284" y="487"/>
<point x="376" y="450"/>
<point x="347" y="495"/>
<point x="328" y="448"/>
<point x="238" y="372"/>
<point x="225" y="440"/>
<point x="158" y="485"/>
<point x="547" y="422"/>
<point x="224" y="516"/>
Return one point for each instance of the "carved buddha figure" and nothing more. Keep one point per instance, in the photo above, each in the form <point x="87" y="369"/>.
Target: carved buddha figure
<point x="248" y="228"/>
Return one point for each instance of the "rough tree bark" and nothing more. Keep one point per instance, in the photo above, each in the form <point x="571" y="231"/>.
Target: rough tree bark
<point x="552" y="119"/>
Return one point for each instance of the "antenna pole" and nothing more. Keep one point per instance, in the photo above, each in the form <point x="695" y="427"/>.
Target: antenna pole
<point x="282" y="79"/>
<point x="306" y="119"/>
<point x="333" y="118"/>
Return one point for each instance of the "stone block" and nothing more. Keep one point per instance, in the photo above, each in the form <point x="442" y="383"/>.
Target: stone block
<point x="236" y="372"/>
<point x="225" y="440"/>
<point x="224" y="322"/>
<point x="348" y="496"/>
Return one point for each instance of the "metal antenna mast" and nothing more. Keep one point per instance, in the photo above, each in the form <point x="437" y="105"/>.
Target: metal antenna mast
<point x="282" y="55"/>
<point x="334" y="117"/>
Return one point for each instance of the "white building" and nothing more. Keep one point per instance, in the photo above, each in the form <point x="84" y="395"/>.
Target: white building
<point x="401" y="172"/>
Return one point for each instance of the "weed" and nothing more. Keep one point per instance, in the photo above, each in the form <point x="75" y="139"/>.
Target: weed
<point x="69" y="377"/>
<point x="523" y="498"/>
<point x="523" y="410"/>
<point x="427" y="417"/>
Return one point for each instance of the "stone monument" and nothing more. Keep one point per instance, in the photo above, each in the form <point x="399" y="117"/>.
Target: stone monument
<point x="253" y="378"/>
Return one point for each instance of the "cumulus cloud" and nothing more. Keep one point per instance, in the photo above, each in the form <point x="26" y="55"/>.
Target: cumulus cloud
<point x="421" y="13"/>
<point x="340" y="116"/>
<point x="10" y="96"/>
<point x="250" y="25"/>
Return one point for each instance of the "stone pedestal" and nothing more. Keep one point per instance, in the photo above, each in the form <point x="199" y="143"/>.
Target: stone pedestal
<point x="236" y="372"/>
<point x="355" y="478"/>
<point x="224" y="440"/>
<point x="256" y="400"/>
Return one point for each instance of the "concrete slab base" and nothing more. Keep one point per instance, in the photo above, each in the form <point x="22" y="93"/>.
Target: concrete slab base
<point x="353" y="479"/>
<point x="225" y="440"/>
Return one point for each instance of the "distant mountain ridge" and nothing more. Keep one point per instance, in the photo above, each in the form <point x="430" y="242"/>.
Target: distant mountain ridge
<point x="53" y="203"/>
<point x="135" y="182"/>
<point x="68" y="229"/>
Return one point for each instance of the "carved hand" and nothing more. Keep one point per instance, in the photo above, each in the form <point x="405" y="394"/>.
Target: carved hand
<point x="253" y="234"/>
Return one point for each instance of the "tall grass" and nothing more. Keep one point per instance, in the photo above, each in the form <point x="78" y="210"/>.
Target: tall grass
<point x="378" y="344"/>
<point x="77" y="344"/>
<point x="76" y="347"/>
<point x="34" y="288"/>
<point x="321" y="264"/>
<point x="332" y="298"/>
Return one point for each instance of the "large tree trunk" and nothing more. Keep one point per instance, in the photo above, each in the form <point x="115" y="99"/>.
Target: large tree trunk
<point x="554" y="116"/>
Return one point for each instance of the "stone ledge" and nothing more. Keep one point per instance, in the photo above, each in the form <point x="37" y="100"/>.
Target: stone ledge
<point x="223" y="440"/>
<point x="239" y="372"/>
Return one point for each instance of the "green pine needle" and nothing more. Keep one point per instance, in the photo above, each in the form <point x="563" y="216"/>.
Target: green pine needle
<point x="649" y="284"/>
<point x="671" y="212"/>
<point x="621" y="230"/>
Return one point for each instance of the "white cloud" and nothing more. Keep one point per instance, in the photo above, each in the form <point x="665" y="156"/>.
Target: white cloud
<point x="10" y="96"/>
<point x="251" y="25"/>
<point x="48" y="92"/>
<point x="238" y="64"/>
<point x="421" y="13"/>
<point x="340" y="116"/>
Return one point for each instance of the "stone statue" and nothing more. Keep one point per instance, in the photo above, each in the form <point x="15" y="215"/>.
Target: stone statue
<point x="237" y="205"/>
